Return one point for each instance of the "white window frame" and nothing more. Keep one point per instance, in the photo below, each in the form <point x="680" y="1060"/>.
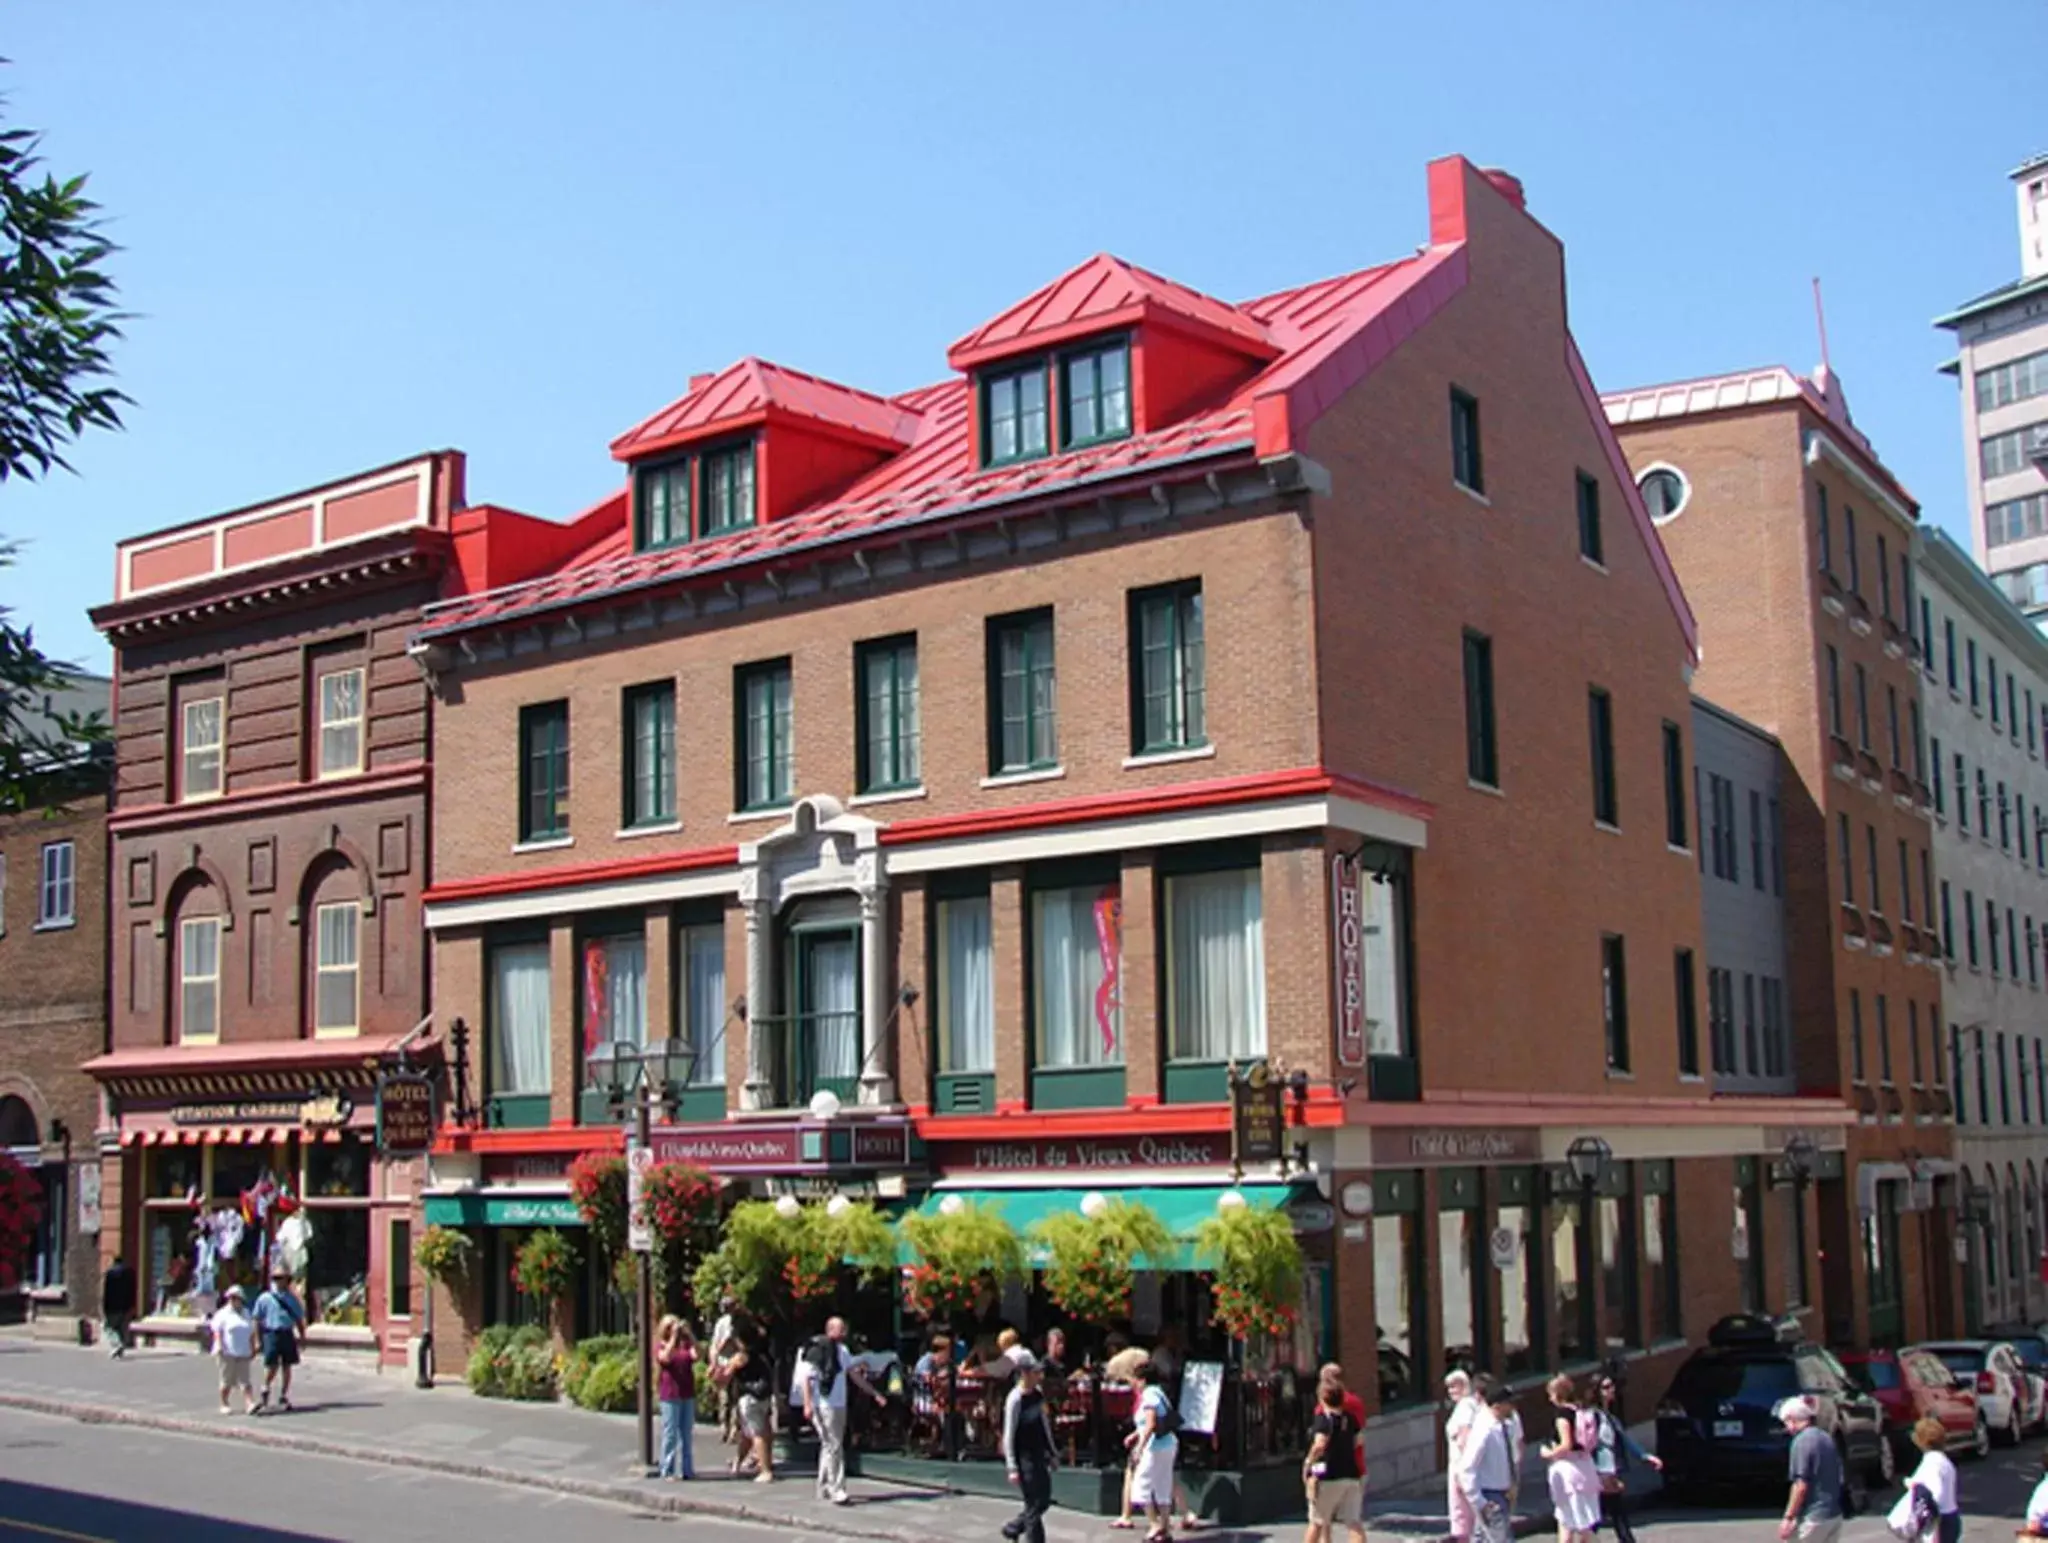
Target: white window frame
<point x="189" y="746"/>
<point x="187" y="979"/>
<point x="323" y="968"/>
<point x="1255" y="1026"/>
<point x="57" y="898"/>
<point x="353" y="724"/>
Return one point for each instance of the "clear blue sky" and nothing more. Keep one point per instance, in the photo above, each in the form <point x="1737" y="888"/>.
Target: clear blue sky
<point x="353" y="232"/>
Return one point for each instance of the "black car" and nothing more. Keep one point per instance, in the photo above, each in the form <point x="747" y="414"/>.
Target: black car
<point x="1718" y="1424"/>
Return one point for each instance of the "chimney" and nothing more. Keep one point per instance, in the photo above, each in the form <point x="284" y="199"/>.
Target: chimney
<point x="1507" y="184"/>
<point x="2030" y="181"/>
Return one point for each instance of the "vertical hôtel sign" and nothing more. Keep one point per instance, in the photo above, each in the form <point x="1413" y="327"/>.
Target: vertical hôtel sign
<point x="1347" y="913"/>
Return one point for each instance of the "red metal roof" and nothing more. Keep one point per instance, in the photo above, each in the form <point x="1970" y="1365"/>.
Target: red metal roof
<point x="749" y="391"/>
<point x="1105" y="292"/>
<point x="257" y="1055"/>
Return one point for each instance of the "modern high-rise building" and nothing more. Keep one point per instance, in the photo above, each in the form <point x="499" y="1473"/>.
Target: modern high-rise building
<point x="2002" y="364"/>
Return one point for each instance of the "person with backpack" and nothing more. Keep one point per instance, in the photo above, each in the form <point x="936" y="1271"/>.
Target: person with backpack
<point x="1574" y="1481"/>
<point x="1330" y="1474"/>
<point x="1613" y="1453"/>
<point x="1153" y="1449"/>
<point x="828" y="1368"/>
<point x="1813" y="1510"/>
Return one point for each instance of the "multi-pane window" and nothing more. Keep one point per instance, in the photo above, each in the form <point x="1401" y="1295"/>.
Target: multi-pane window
<point x="1721" y="1018"/>
<point x="57" y="894"/>
<point x="1756" y="838"/>
<point x="1600" y="728"/>
<point x="965" y="1015"/>
<point x="1774" y="1028"/>
<point x="650" y="795"/>
<point x="1891" y="718"/>
<point x="1466" y="466"/>
<point x="341" y="723"/>
<point x="1905" y="881"/>
<point x="1096" y="400"/>
<point x="1674" y="786"/>
<point x="1940" y="795"/>
<point x="1983" y="803"/>
<point x="1614" y="1000"/>
<point x="662" y="517"/>
<point x="1926" y="630"/>
<point x="1848" y="855"/>
<point x="766" y="746"/>
<point x="1215" y="967"/>
<point x="1919" y="741"/>
<point x="1962" y="793"/>
<point x="888" y="724"/>
<point x="520" y="1014"/>
<point x="704" y="1002"/>
<point x="544" y="771"/>
<point x="1592" y="546"/>
<point x="1854" y="555"/>
<point x="1884" y="577"/>
<point x="1687" y="1015"/>
<point x="335" y="970"/>
<point x="1751" y="1046"/>
<point x="1025" y="732"/>
<point x="1970" y="655"/>
<point x="1871" y="865"/>
<point x="1777" y="829"/>
<point x="2000" y="455"/>
<point x="1884" y="1040"/>
<point x="1482" y="747"/>
<point x="1014" y="426"/>
<point x="1826" y="530"/>
<point x="1948" y="922"/>
<point x="728" y="489"/>
<point x="1948" y="631"/>
<point x="1862" y="708"/>
<point x="199" y="749"/>
<point x="199" y="978"/>
<point x="1835" y="693"/>
<point x="1074" y="936"/>
<point x="1991" y="932"/>
<point x="2004" y="820"/>
<point x="2016" y="381"/>
<point x="1856" y="1068"/>
<point x="1991" y="683"/>
<point x="1970" y="928"/>
<point x="1913" y="1041"/>
<point x="1166" y="636"/>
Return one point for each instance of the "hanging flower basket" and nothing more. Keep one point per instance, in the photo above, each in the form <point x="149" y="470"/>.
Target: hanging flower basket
<point x="597" y="1183"/>
<point x="444" y="1254"/>
<point x="963" y="1257"/>
<point x="1256" y="1263"/>
<point x="545" y="1266"/>
<point x="1092" y="1256"/>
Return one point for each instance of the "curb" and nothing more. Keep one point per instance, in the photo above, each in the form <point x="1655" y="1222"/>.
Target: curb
<point x="645" y="1496"/>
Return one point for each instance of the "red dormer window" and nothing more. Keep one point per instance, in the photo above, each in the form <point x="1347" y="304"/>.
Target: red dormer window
<point x="693" y="496"/>
<point x="1016" y="420"/>
<point x="1021" y="422"/>
<point x="1095" y="394"/>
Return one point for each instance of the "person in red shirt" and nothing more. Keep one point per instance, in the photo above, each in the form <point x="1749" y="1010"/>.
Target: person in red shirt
<point x="1332" y="1375"/>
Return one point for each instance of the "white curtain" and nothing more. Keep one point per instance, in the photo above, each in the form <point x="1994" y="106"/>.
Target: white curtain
<point x="968" y="994"/>
<point x="625" y="990"/>
<point x="835" y="1002"/>
<point x="519" y="1018"/>
<point x="1380" y="911"/>
<point x="1069" y="972"/>
<point x="1217" y="954"/>
<point x="704" y="964"/>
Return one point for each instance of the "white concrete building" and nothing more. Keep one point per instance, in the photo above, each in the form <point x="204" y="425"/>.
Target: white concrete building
<point x="2002" y="364"/>
<point x="1986" y="721"/>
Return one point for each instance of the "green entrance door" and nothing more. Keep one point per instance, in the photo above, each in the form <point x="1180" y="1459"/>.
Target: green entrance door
<point x="825" y="1028"/>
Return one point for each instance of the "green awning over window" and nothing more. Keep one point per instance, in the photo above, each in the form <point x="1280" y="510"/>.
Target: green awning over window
<point x="1183" y="1208"/>
<point x="487" y="1210"/>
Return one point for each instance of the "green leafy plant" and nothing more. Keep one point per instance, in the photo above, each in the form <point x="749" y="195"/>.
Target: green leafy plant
<point x="597" y="1183"/>
<point x="580" y="1365"/>
<point x="1255" y="1260"/>
<point x="512" y="1363"/>
<point x="613" y="1386"/>
<point x="679" y="1204"/>
<point x="444" y="1254"/>
<point x="963" y="1256"/>
<point x="545" y="1266"/>
<point x="779" y="1260"/>
<point x="1091" y="1261"/>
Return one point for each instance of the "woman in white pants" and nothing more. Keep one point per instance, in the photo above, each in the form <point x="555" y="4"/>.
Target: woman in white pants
<point x="1458" y="1429"/>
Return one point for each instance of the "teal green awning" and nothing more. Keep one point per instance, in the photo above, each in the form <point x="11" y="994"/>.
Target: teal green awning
<point x="488" y="1210"/>
<point x="1183" y="1208"/>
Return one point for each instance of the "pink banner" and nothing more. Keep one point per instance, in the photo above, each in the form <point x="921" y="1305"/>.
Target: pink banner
<point x="1109" y="919"/>
<point x="596" y="996"/>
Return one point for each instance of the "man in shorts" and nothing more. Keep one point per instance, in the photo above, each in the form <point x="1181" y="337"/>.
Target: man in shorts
<point x="280" y="1320"/>
<point x="234" y="1345"/>
<point x="750" y="1378"/>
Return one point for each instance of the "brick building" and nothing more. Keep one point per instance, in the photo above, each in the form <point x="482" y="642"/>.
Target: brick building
<point x="953" y="784"/>
<point x="1795" y="545"/>
<point x="53" y="1000"/>
<point x="269" y="845"/>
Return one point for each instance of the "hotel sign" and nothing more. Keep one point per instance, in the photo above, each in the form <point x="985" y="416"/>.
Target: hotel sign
<point x="1347" y="912"/>
<point x="1434" y="1146"/>
<point x="1084" y="1154"/>
<point x="405" y="1114"/>
<point x="791" y="1148"/>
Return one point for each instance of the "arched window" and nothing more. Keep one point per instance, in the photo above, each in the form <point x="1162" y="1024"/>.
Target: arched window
<point x="18" y="1126"/>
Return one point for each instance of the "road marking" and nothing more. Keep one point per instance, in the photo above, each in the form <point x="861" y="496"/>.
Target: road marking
<point x="15" y="1522"/>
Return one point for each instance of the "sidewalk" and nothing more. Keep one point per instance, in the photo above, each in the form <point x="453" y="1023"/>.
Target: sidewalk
<point x="347" y="1411"/>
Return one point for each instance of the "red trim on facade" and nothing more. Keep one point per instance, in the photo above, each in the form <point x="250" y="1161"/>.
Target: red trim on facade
<point x="1023" y="1125"/>
<point x="1479" y="1109"/>
<point x="545" y="1138"/>
<point x="184" y="1060"/>
<point x="610" y="872"/>
<point x="381" y="783"/>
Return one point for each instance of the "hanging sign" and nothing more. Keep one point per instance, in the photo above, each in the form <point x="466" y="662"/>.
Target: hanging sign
<point x="1347" y="911"/>
<point x="1504" y="1247"/>
<point x="405" y="1114"/>
<point x="89" y="1199"/>
<point x="1255" y="1109"/>
<point x="639" y="1234"/>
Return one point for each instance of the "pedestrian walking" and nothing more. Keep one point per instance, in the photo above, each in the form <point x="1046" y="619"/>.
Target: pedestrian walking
<point x="1331" y="1475"/>
<point x="1464" y="1413"/>
<point x="1332" y="1376"/>
<point x="1614" y="1453"/>
<point x="280" y="1320"/>
<point x="1489" y="1472"/>
<point x="745" y="1377"/>
<point x="1574" y="1482"/>
<point x="1028" y="1450"/>
<point x="1936" y="1477"/>
<point x="675" y="1354"/>
<point x="1813" y="1509"/>
<point x="2036" y="1524"/>
<point x="1153" y="1449"/>
<point x="828" y="1368"/>
<point x="718" y="1348"/>
<point x="234" y="1347"/>
<point x="117" y="1305"/>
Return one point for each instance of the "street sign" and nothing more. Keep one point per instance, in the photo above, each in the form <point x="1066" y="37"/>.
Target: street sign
<point x="1255" y="1107"/>
<point x="639" y="1235"/>
<point x="405" y="1114"/>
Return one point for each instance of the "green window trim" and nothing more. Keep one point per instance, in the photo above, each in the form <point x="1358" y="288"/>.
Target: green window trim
<point x="728" y="489"/>
<point x="544" y="771"/>
<point x="1095" y="394"/>
<point x="662" y="504"/>
<point x="886" y="717"/>
<point x="649" y="760"/>
<point x="1169" y="697"/>
<point x="1016" y="399"/>
<point x="1023" y="693"/>
<point x="763" y="736"/>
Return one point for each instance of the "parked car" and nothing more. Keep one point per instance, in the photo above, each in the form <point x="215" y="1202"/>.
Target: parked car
<point x="2009" y="1396"/>
<point x="1913" y="1385"/>
<point x="2030" y="1342"/>
<point x="1718" y="1424"/>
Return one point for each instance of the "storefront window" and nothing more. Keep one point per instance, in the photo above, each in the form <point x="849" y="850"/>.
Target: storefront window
<point x="338" y="1264"/>
<point x="46" y="1266"/>
<point x="1792" y="1204"/>
<point x="1077" y="947"/>
<point x="1461" y="1268"/>
<point x="1517" y="1284"/>
<point x="338" y="1170"/>
<point x="1749" y="1235"/>
<point x="238" y="1169"/>
<point x="1571" y="1286"/>
<point x="1618" y="1254"/>
<point x="1216" y="967"/>
<point x="1660" y="1255"/>
<point x="1398" y="1286"/>
<point x="168" y="1269"/>
<point x="704" y="1001"/>
<point x="173" y="1172"/>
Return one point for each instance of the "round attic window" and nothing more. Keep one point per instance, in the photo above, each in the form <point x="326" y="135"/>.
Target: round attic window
<point x="1665" y="492"/>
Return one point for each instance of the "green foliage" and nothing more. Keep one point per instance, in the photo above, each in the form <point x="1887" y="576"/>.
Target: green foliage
<point x="1256" y="1260"/>
<point x="1091" y="1261"/>
<point x="776" y="1265"/>
<point x="963" y="1257"/>
<point x="613" y="1386"/>
<point x="444" y="1253"/>
<point x="680" y="1204"/>
<point x="583" y="1360"/>
<point x="545" y="1266"/>
<point x="513" y="1363"/>
<point x="597" y="1183"/>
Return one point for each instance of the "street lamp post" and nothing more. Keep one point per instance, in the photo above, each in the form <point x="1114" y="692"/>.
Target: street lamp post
<point x="1587" y="1158"/>
<point x="1800" y="1156"/>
